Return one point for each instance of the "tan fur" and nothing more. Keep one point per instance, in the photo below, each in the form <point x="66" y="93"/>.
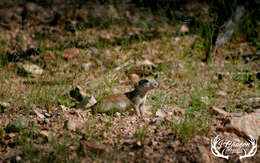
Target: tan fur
<point x="116" y="103"/>
<point x="125" y="101"/>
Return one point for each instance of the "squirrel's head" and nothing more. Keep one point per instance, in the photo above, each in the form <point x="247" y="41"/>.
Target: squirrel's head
<point x="146" y="85"/>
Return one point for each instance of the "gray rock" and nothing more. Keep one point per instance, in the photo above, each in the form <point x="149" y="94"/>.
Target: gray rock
<point x="70" y="125"/>
<point x="29" y="69"/>
<point x="246" y="125"/>
<point x="253" y="101"/>
<point x="4" y="105"/>
<point x="17" y="124"/>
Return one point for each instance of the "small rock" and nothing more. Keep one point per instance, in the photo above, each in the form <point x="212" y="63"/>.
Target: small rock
<point x="70" y="125"/>
<point x="205" y="100"/>
<point x="253" y="101"/>
<point x="100" y="14"/>
<point x="17" y="124"/>
<point x="177" y="39"/>
<point x="117" y="114"/>
<point x="94" y="52"/>
<point x="4" y="105"/>
<point x="87" y="102"/>
<point x="44" y="133"/>
<point x="86" y="66"/>
<point x="29" y="68"/>
<point x="64" y="108"/>
<point x="132" y="154"/>
<point x="78" y="93"/>
<point x="46" y="121"/>
<point x="204" y="155"/>
<point x="147" y="110"/>
<point x="38" y="113"/>
<point x="147" y="119"/>
<point x="114" y="90"/>
<point x="145" y="63"/>
<point x="246" y="125"/>
<point x="139" y="143"/>
<point x="221" y="93"/>
<point x="18" y="158"/>
<point x="11" y="135"/>
<point x="134" y="78"/>
<point x="47" y="115"/>
<point x="95" y="146"/>
<point x="156" y="121"/>
<point x="32" y="7"/>
<point x="176" y="119"/>
<point x="184" y="29"/>
<point x="177" y="111"/>
<point x="219" y="111"/>
<point x="105" y="119"/>
<point x="143" y="68"/>
<point x="70" y="53"/>
<point x="11" y="155"/>
<point x="112" y="12"/>
<point x="161" y="114"/>
<point x="154" y="143"/>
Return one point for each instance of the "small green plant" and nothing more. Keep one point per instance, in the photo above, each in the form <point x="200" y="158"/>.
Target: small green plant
<point x="65" y="100"/>
<point x="25" y="136"/>
<point x="141" y="132"/>
<point x="3" y="50"/>
<point x="1" y="134"/>
<point x="60" y="147"/>
<point x="90" y="129"/>
<point x="190" y="126"/>
<point x="185" y="129"/>
<point x="108" y="123"/>
<point x="159" y="99"/>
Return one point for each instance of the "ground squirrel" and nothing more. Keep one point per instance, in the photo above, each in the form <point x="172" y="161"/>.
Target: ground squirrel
<point x="125" y="101"/>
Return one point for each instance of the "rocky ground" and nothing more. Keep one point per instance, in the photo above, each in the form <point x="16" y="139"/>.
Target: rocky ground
<point x="55" y="56"/>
